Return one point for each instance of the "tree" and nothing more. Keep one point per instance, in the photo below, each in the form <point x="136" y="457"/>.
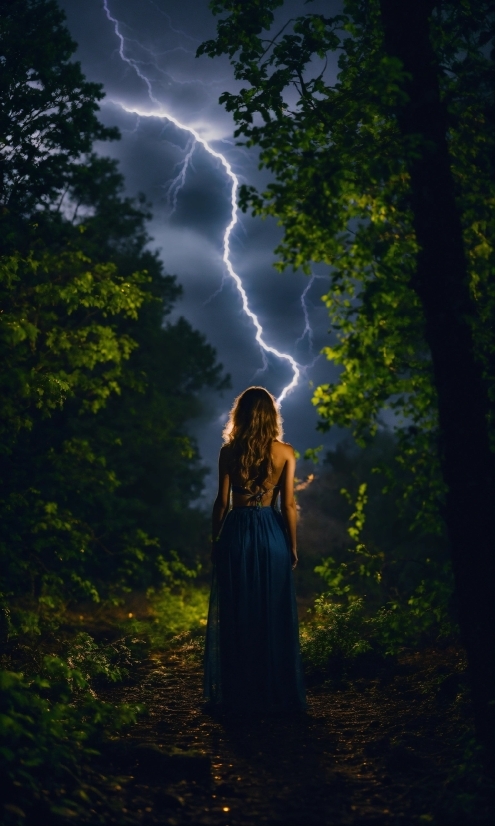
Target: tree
<point x="97" y="470"/>
<point x="441" y="282"/>
<point x="387" y="176"/>
<point x="48" y="110"/>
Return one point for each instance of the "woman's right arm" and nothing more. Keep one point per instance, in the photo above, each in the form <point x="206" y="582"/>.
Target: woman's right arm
<point x="288" y="503"/>
<point x="221" y="504"/>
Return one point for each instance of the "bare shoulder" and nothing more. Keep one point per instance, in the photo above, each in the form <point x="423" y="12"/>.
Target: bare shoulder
<point x="283" y="449"/>
<point x="224" y="454"/>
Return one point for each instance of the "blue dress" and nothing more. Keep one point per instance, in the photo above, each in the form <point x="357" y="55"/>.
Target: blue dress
<point x="252" y="655"/>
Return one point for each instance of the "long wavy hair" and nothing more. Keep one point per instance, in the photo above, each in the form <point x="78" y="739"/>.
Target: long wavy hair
<point x="253" y="424"/>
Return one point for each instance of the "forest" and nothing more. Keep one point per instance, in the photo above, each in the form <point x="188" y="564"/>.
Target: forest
<point x="386" y="175"/>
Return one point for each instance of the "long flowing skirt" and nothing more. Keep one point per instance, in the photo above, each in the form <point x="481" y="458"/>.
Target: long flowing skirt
<point x="252" y="656"/>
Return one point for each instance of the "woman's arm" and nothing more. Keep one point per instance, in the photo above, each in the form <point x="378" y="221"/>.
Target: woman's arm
<point x="221" y="504"/>
<point x="288" y="504"/>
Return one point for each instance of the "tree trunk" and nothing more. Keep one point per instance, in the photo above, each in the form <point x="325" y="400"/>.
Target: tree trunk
<point x="441" y="282"/>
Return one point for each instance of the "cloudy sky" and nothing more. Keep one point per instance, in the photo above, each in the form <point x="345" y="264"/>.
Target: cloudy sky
<point x="191" y="206"/>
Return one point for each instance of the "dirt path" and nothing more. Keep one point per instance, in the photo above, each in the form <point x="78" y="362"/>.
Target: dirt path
<point x="380" y="751"/>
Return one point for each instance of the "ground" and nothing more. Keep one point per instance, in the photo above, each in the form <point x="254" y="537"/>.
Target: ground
<point x="385" y="746"/>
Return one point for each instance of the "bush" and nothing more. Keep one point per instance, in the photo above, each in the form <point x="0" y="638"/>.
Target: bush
<point x="388" y="583"/>
<point x="335" y="634"/>
<point x="338" y="634"/>
<point x="104" y="663"/>
<point x="50" y="727"/>
<point x="173" y="611"/>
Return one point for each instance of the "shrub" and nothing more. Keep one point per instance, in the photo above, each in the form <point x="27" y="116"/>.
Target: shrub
<point x="336" y="633"/>
<point x="50" y="727"/>
<point x="173" y="611"/>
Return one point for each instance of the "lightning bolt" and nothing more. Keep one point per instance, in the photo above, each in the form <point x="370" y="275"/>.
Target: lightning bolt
<point x="308" y="330"/>
<point x="169" y="20"/>
<point x="178" y="182"/>
<point x="307" y="326"/>
<point x="160" y="112"/>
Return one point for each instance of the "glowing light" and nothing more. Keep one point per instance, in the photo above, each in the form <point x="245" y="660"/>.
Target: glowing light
<point x="307" y="482"/>
<point x="176" y="185"/>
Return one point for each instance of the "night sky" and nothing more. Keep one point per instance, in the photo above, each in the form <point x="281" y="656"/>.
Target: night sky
<point x="162" y="37"/>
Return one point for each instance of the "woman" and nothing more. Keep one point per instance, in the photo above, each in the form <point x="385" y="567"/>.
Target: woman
<point x="252" y="659"/>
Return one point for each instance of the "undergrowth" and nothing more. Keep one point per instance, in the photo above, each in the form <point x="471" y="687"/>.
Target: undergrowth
<point x="337" y="635"/>
<point x="53" y="720"/>
<point x="52" y="724"/>
<point x="172" y="611"/>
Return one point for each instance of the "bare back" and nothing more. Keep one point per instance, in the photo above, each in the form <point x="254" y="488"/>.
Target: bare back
<point x="280" y="480"/>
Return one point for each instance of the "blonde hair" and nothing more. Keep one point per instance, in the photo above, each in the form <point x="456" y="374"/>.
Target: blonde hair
<point x="253" y="424"/>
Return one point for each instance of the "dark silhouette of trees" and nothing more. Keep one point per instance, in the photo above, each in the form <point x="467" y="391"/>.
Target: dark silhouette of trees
<point x="441" y="282"/>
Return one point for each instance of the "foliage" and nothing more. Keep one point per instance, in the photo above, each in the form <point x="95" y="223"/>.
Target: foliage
<point x="320" y="99"/>
<point x="99" y="662"/>
<point x="408" y="617"/>
<point x="98" y="473"/>
<point x="333" y="116"/>
<point x="388" y="582"/>
<point x="97" y="469"/>
<point x="173" y="612"/>
<point x="336" y="633"/>
<point x="366" y="531"/>
<point x="397" y="566"/>
<point x="48" y="109"/>
<point x="51" y="725"/>
<point x="56" y="336"/>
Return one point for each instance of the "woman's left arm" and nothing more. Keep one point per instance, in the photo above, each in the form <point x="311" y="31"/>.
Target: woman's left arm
<point x="221" y="504"/>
